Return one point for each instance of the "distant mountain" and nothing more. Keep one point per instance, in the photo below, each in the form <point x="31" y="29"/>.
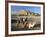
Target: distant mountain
<point x="26" y="13"/>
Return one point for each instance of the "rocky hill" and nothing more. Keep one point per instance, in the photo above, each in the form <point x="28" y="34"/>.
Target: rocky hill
<point x="25" y="13"/>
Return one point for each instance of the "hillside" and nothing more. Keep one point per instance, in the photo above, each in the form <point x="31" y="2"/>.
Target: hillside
<point x="25" y="13"/>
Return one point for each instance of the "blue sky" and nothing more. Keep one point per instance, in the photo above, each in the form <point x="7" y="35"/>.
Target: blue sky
<point x="34" y="9"/>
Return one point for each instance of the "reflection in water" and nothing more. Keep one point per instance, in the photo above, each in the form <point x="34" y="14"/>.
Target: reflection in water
<point x="24" y="24"/>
